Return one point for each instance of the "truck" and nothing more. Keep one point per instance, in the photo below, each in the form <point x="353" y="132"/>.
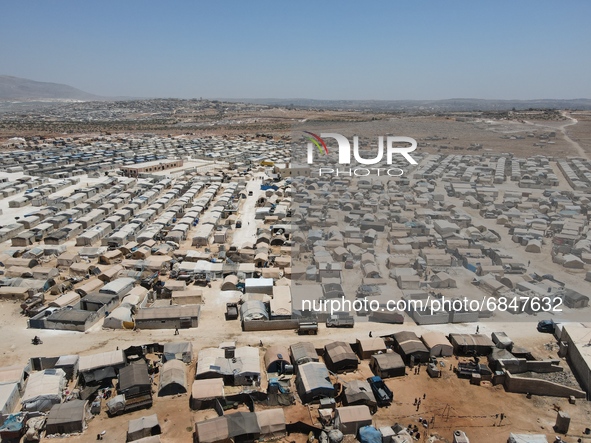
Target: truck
<point x="120" y="404"/>
<point x="383" y="394"/>
<point x="335" y="321"/>
<point x="466" y="369"/>
<point x="309" y="327"/>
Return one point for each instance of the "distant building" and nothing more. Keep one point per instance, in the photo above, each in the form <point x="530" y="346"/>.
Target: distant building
<point x="148" y="167"/>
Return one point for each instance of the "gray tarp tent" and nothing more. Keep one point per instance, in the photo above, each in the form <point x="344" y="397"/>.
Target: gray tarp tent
<point x="358" y="392"/>
<point x="340" y="357"/>
<point x="172" y="378"/>
<point x="143" y="427"/>
<point x="67" y="418"/>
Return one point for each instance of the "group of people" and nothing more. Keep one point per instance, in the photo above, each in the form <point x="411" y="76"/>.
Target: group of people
<point x="417" y="402"/>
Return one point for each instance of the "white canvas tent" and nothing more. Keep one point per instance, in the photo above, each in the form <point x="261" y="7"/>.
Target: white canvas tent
<point x="44" y="389"/>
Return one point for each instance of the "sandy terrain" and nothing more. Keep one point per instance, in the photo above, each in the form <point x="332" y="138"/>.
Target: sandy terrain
<point x="454" y="403"/>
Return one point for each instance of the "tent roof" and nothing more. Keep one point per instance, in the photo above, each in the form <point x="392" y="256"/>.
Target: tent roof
<point x="134" y="375"/>
<point x="45" y="383"/>
<point x="271" y="420"/>
<point x="389" y="360"/>
<point x="340" y="351"/>
<point x="178" y="347"/>
<point x="207" y="388"/>
<point x="276" y="353"/>
<point x="101" y="360"/>
<point x="372" y="344"/>
<point x="359" y="391"/>
<point x="139" y="424"/>
<point x="435" y="338"/>
<point x="173" y="371"/>
<point x="303" y="350"/>
<point x="353" y="414"/>
<point x="241" y="423"/>
<point x="314" y="375"/>
<point x="71" y="411"/>
<point x="212" y="430"/>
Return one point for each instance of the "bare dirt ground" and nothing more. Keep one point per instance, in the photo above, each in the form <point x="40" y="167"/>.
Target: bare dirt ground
<point x="581" y="131"/>
<point x="454" y="403"/>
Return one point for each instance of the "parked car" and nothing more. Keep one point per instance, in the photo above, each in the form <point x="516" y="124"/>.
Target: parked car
<point x="546" y="326"/>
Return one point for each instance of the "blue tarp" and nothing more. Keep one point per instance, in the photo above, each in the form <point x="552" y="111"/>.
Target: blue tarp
<point x="369" y="434"/>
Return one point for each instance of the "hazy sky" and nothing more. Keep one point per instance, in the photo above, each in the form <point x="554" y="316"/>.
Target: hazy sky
<point x="303" y="49"/>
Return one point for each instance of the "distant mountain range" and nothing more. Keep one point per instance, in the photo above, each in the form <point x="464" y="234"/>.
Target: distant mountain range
<point x="20" y="89"/>
<point x="15" y="88"/>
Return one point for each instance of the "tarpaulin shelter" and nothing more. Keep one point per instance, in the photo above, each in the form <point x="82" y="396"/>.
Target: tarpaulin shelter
<point x="44" y="389"/>
<point x="438" y="344"/>
<point x="410" y="347"/>
<point x="387" y="365"/>
<point x="358" y="392"/>
<point x="67" y="418"/>
<point x="313" y="382"/>
<point x="204" y="392"/>
<point x="173" y="379"/>
<point x="340" y="357"/>
<point x="143" y="427"/>
<point x="349" y="419"/>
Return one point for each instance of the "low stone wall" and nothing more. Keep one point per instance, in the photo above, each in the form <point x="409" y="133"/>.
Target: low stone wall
<point x="525" y="385"/>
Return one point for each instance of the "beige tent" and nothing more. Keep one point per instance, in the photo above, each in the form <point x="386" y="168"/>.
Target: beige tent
<point x="438" y="344"/>
<point x="271" y="422"/>
<point x="204" y="391"/>
<point x="67" y="299"/>
<point x="349" y="419"/>
<point x="229" y="283"/>
<point x="187" y="297"/>
<point x="369" y="346"/>
<point x="534" y="246"/>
